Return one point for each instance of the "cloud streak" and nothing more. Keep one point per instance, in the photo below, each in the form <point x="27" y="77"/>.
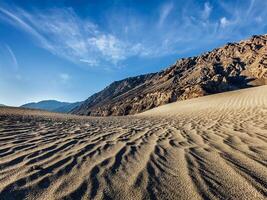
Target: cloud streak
<point x="164" y="12"/>
<point x="207" y="11"/>
<point x="171" y="30"/>
<point x="18" y="22"/>
<point x="13" y="57"/>
<point x="64" y="34"/>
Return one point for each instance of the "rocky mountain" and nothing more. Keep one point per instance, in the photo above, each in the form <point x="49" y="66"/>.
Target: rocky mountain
<point x="233" y="66"/>
<point x="52" y="105"/>
<point x="67" y="108"/>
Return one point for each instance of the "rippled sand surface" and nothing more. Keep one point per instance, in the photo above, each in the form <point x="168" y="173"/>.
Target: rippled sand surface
<point x="213" y="147"/>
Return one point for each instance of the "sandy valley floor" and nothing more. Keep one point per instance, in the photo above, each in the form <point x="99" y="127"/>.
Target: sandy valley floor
<point x="213" y="147"/>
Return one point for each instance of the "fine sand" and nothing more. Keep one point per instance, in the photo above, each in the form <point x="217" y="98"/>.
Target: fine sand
<point x="214" y="147"/>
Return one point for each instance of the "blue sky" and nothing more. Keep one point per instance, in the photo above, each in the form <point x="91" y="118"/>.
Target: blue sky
<point x="68" y="50"/>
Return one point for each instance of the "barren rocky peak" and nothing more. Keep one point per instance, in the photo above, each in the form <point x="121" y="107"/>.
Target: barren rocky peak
<point x="233" y="66"/>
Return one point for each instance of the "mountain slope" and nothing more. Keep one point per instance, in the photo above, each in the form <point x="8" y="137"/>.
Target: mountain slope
<point x="109" y="94"/>
<point x="67" y="108"/>
<point x="52" y="105"/>
<point x="233" y="66"/>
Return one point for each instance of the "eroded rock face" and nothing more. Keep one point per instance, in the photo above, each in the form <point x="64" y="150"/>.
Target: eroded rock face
<point x="233" y="66"/>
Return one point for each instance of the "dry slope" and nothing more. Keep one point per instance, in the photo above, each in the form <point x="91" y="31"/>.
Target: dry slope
<point x="231" y="67"/>
<point x="213" y="147"/>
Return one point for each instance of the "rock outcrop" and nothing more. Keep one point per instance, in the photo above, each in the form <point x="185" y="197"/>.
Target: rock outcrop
<point x="233" y="66"/>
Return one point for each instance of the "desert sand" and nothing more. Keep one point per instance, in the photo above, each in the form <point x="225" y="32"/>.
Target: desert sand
<point x="213" y="147"/>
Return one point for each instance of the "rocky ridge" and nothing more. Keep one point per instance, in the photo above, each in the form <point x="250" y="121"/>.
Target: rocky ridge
<point x="233" y="66"/>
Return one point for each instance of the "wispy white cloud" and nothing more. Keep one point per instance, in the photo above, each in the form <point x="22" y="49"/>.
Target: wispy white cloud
<point x="20" y="23"/>
<point x="224" y="22"/>
<point x="251" y="5"/>
<point x="242" y="19"/>
<point x="164" y="12"/>
<point x="64" y="34"/>
<point x="64" y="77"/>
<point x="9" y="63"/>
<point x="109" y="46"/>
<point x="13" y="57"/>
<point x="92" y="62"/>
<point x="170" y="29"/>
<point x="206" y="11"/>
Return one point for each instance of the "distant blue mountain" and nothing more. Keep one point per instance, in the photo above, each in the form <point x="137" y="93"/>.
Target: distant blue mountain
<point x="52" y="105"/>
<point x="2" y="105"/>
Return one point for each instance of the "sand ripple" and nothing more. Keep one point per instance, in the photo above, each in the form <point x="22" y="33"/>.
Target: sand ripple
<point x="217" y="150"/>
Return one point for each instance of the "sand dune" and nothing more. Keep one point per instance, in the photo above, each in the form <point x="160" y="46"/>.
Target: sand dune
<point x="214" y="147"/>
